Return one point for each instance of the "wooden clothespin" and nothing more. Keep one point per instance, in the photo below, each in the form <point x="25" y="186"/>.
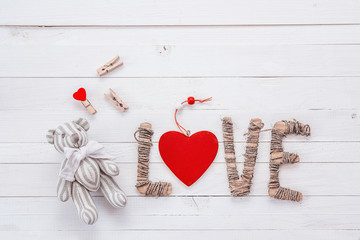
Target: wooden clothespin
<point x="109" y="66"/>
<point x="80" y="95"/>
<point x="117" y="101"/>
<point x="89" y="107"/>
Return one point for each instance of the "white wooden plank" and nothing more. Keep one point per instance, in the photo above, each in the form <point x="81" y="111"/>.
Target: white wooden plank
<point x="181" y="61"/>
<point x="187" y="206"/>
<point x="181" y="35"/>
<point x="310" y="152"/>
<point x="32" y="126"/>
<point x="187" y="234"/>
<point x="263" y="94"/>
<point x="162" y="12"/>
<point x="252" y="222"/>
<point x="150" y="213"/>
<point x="315" y="179"/>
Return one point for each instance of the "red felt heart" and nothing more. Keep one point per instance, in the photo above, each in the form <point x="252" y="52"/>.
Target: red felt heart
<point x="188" y="157"/>
<point x="80" y="94"/>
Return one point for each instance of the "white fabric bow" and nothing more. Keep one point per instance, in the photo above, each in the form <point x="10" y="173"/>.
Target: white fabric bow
<point x="75" y="155"/>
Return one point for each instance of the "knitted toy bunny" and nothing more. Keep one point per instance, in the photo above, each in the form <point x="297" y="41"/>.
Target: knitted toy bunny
<point x="85" y="169"/>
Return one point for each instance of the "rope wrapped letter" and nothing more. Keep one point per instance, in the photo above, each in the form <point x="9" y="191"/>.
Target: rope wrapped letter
<point x="279" y="157"/>
<point x="144" y="185"/>
<point x="241" y="186"/>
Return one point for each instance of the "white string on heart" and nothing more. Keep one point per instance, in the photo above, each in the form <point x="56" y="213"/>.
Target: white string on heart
<point x="190" y="101"/>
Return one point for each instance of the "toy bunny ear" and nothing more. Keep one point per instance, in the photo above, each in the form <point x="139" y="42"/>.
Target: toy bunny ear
<point x="83" y="123"/>
<point x="50" y="136"/>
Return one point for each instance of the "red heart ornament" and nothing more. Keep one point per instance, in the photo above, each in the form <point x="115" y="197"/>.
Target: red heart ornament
<point x="80" y="95"/>
<point x="188" y="157"/>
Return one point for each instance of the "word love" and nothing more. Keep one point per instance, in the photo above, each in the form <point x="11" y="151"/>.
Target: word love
<point x="241" y="186"/>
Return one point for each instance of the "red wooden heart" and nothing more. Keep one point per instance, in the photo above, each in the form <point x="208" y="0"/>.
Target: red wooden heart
<point x="188" y="157"/>
<point x="80" y="94"/>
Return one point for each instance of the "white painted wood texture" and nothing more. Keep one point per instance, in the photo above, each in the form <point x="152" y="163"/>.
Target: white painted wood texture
<point x="275" y="60"/>
<point x="177" y="12"/>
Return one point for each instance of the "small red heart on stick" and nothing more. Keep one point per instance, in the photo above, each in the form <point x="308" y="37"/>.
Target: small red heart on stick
<point x="80" y="95"/>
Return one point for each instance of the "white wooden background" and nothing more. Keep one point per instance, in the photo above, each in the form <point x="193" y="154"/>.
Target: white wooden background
<point x="279" y="59"/>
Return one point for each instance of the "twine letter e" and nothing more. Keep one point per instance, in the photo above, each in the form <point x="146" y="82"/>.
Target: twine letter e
<point x="279" y="157"/>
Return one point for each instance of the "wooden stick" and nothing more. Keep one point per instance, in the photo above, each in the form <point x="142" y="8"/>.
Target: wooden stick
<point x="241" y="186"/>
<point x="144" y="185"/>
<point x="279" y="157"/>
<point x="109" y="66"/>
<point x="88" y="106"/>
